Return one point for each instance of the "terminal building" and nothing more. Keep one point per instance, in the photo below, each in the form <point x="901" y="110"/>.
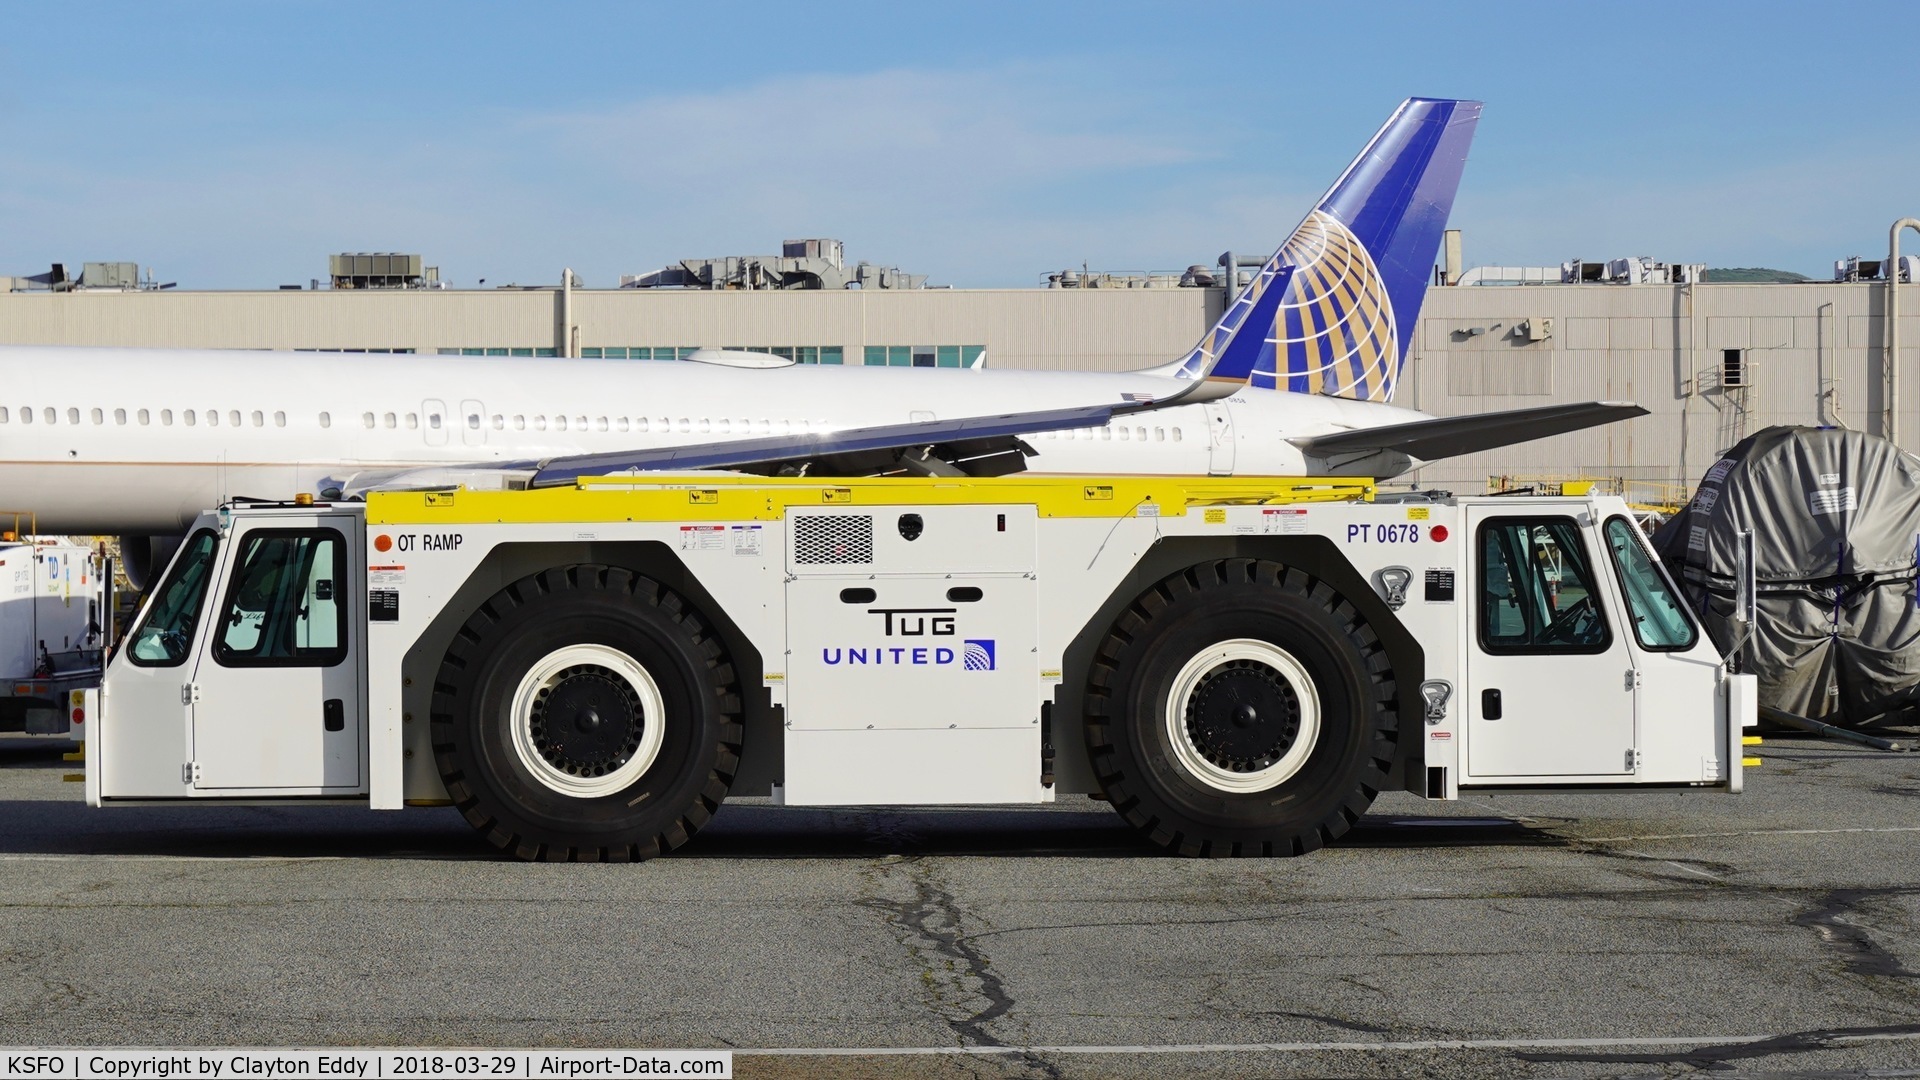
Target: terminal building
<point x="1712" y="360"/>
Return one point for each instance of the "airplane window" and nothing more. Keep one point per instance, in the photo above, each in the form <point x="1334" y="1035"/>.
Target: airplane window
<point x="622" y="422"/>
<point x="166" y="417"/>
<point x="326" y="419"/>
<point x="258" y="419"/>
<point x="499" y="422"/>
<point x="1124" y="434"/>
<point x="1159" y="434"/>
<point x="390" y="420"/>
<point x="3" y="414"/>
<point x="684" y="425"/>
<point x="413" y="421"/>
<point x="706" y="426"/>
<point x="1176" y="434"/>
<point x="761" y="426"/>
<point x="433" y="421"/>
<point x="99" y="417"/>
<point x="539" y="423"/>
<point x="782" y="426"/>
<point x="559" y="423"/>
<point x="233" y="417"/>
<point x="519" y="422"/>
<point x="73" y="415"/>
<point x="640" y="424"/>
<point x="188" y="416"/>
<point x="119" y="416"/>
<point x="600" y="424"/>
<point x="1106" y="434"/>
<point x="142" y="415"/>
<point x="473" y="421"/>
<point x="366" y="419"/>
<point x="50" y="415"/>
<point x="26" y="414"/>
<point x="1140" y="434"/>
<point x="580" y="422"/>
<point x="213" y="417"/>
<point x="724" y="426"/>
<point x="279" y="419"/>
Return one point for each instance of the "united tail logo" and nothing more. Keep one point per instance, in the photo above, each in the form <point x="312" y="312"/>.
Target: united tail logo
<point x="1334" y="310"/>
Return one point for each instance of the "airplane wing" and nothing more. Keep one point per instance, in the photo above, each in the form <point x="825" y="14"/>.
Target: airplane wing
<point x="965" y="446"/>
<point x="1451" y="436"/>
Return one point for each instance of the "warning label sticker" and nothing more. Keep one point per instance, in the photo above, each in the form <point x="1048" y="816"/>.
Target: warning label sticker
<point x="746" y="539"/>
<point x="386" y="577"/>
<point x="1283" y="520"/>
<point x="703" y="537"/>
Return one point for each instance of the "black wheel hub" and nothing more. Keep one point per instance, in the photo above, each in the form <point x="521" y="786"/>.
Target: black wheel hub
<point x="586" y="721"/>
<point x="1243" y="716"/>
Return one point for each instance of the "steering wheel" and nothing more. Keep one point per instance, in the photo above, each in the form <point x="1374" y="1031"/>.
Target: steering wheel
<point x="1570" y="626"/>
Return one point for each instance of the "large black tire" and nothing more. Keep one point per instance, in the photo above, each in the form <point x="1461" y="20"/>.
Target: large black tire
<point x="586" y="714"/>
<point x="1241" y="707"/>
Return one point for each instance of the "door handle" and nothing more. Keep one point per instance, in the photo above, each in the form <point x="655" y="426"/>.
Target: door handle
<point x="1490" y="704"/>
<point x="334" y="714"/>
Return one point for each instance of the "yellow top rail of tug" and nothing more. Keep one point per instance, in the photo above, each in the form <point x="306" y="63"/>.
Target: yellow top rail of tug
<point x="724" y="497"/>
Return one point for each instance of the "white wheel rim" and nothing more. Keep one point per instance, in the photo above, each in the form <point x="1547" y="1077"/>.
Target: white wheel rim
<point x="628" y="679"/>
<point x="1204" y="763"/>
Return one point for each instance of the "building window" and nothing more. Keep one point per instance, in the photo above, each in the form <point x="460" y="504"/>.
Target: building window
<point x="1733" y="368"/>
<point x="946" y="356"/>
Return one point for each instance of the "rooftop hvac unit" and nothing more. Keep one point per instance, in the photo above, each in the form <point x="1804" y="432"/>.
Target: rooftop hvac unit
<point x="110" y="275"/>
<point x="832" y="251"/>
<point x="1577" y="272"/>
<point x="1855" y="268"/>
<point x="375" y="270"/>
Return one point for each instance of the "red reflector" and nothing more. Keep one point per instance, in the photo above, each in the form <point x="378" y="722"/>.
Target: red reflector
<point x="79" y="716"/>
<point x="1438" y="533"/>
<point x="23" y="688"/>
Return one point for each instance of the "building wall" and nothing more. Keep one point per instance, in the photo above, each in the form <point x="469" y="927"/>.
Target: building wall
<point x="1068" y="329"/>
<point x="1812" y="354"/>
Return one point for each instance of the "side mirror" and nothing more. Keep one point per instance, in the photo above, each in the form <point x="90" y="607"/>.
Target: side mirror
<point x="1745" y="596"/>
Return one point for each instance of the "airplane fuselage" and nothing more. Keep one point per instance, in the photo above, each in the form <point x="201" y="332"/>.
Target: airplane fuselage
<point x="133" y="441"/>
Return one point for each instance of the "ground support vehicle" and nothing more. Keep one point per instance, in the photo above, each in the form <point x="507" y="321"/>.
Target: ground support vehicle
<point x="1238" y="665"/>
<point x="53" y="603"/>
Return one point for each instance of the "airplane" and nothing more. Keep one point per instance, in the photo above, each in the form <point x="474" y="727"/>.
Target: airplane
<point x="1294" y="379"/>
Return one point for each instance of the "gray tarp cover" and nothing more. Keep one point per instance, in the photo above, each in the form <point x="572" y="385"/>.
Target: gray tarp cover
<point x="1835" y="516"/>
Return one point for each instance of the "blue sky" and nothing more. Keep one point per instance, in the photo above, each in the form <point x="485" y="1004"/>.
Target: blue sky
<point x="236" y="145"/>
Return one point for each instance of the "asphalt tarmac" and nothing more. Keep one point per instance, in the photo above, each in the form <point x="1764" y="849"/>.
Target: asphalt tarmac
<point x="1654" y="934"/>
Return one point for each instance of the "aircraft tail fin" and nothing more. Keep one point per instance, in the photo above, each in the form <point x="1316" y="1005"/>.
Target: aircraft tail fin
<point x="1334" y="310"/>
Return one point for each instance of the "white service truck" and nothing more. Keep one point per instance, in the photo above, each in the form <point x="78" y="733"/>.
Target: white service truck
<point x="1238" y="665"/>
<point x="54" y="600"/>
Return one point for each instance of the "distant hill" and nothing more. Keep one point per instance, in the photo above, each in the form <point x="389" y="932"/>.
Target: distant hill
<point x="1751" y="274"/>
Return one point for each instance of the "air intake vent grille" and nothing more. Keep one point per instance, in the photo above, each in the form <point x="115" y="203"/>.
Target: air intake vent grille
<point x="842" y="538"/>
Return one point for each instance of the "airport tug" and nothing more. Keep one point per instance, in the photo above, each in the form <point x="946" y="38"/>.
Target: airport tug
<point x="1239" y="665"/>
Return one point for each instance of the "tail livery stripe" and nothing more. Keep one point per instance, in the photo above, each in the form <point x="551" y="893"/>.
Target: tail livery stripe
<point x="1334" y="310"/>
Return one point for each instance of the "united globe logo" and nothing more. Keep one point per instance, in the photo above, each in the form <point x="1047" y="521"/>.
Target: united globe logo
<point x="976" y="654"/>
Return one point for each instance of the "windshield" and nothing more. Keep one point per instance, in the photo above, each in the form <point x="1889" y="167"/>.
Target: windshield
<point x="1660" y="620"/>
<point x="165" y="635"/>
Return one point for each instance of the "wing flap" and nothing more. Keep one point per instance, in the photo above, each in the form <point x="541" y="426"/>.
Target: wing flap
<point x="1451" y="436"/>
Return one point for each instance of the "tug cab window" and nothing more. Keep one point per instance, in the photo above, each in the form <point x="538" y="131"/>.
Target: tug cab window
<point x="165" y="634"/>
<point x="1660" y="621"/>
<point x="1537" y="592"/>
<point x="284" y="607"/>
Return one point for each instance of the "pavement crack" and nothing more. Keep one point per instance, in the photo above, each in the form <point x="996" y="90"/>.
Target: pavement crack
<point x="1713" y="1056"/>
<point x="1864" y="956"/>
<point x="932" y="922"/>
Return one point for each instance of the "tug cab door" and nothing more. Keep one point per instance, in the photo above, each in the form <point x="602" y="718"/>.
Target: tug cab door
<point x="1550" y="677"/>
<point x="245" y="672"/>
<point x="278" y="673"/>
